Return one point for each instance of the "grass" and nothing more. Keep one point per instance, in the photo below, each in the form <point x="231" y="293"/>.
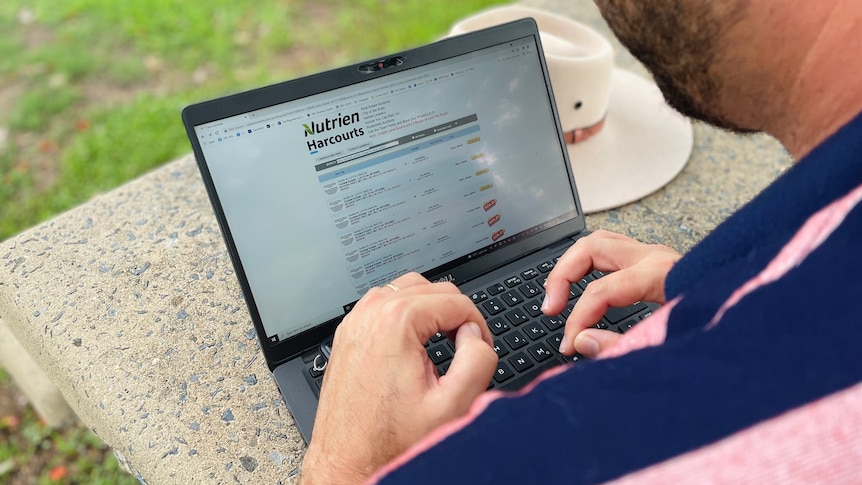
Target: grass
<point x="101" y="82"/>
<point x="30" y="452"/>
<point x="91" y="95"/>
<point x="35" y="108"/>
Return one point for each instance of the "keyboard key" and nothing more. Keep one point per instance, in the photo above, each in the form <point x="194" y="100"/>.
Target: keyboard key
<point x="575" y="291"/>
<point x="522" y="380"/>
<point x="500" y="348"/>
<point x="530" y="289"/>
<point x="575" y="358"/>
<point x="568" y="310"/>
<point x="512" y="298"/>
<point x="596" y="274"/>
<point x="437" y="337"/>
<point x="439" y="354"/>
<point x="529" y="274"/>
<point x="503" y="372"/>
<point x="493" y="306"/>
<point x="585" y="281"/>
<point x="498" y="326"/>
<point x="516" y="317"/>
<point x="616" y="314"/>
<point x="513" y="281"/>
<point x="520" y="362"/>
<point x="496" y="289"/>
<point x="554" y="323"/>
<point x="625" y="327"/>
<point x="535" y="331"/>
<point x="540" y="352"/>
<point x="546" y="267"/>
<point x="534" y="308"/>
<point x="646" y="315"/>
<point x="602" y="325"/>
<point x="478" y="296"/>
<point x="516" y="340"/>
<point x="555" y="340"/>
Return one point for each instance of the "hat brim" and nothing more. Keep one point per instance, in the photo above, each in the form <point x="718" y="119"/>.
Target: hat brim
<point x="643" y="146"/>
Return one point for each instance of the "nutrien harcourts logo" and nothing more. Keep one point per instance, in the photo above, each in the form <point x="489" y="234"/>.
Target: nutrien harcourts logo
<point x="328" y="124"/>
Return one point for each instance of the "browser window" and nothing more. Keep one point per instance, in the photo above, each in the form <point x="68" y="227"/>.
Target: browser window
<point x="427" y="167"/>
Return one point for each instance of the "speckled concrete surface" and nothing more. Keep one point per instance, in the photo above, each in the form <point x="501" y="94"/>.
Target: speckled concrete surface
<point x="130" y="303"/>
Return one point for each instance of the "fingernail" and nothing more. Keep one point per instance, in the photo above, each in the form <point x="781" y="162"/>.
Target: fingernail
<point x="587" y="346"/>
<point x="545" y="303"/>
<point x="563" y="345"/>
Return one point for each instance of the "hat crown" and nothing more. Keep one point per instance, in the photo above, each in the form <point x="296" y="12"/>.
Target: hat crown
<point x="580" y="61"/>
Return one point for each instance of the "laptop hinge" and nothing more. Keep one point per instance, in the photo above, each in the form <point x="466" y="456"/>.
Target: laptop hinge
<point x="563" y="243"/>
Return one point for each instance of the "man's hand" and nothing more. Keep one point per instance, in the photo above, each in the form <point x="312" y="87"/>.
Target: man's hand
<point x="639" y="272"/>
<point x="381" y="393"/>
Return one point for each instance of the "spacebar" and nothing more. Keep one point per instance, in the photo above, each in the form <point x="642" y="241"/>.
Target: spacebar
<point x="525" y="379"/>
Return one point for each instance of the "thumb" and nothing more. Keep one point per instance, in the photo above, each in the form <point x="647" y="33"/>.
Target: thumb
<point x="592" y="341"/>
<point x="471" y="369"/>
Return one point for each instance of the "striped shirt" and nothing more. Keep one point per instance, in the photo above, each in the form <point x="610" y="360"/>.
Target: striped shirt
<point x="751" y="373"/>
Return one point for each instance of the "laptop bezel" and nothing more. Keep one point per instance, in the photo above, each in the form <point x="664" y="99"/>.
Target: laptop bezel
<point x="292" y="90"/>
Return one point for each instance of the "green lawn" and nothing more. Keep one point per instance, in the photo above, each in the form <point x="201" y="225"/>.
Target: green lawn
<point x="90" y="96"/>
<point x="93" y="88"/>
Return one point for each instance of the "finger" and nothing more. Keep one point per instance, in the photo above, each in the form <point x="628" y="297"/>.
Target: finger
<point x="413" y="280"/>
<point x="422" y="314"/>
<point x="619" y="289"/>
<point x="404" y="282"/>
<point x="471" y="369"/>
<point x="602" y="250"/>
<point x="593" y="341"/>
<point x="409" y="280"/>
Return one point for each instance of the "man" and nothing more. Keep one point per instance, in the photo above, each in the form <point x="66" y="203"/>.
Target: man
<point x="749" y="372"/>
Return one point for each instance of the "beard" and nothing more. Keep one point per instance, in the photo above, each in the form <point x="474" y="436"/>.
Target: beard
<point x="681" y="42"/>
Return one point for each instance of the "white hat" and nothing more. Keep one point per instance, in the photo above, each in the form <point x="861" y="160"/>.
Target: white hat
<point x="624" y="141"/>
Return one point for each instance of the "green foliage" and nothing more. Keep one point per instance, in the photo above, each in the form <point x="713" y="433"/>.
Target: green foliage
<point x="54" y="58"/>
<point x="16" y="191"/>
<point x="74" y="454"/>
<point x="192" y="33"/>
<point x="35" y="108"/>
<point x="10" y="48"/>
<point x="127" y="141"/>
<point x="414" y="22"/>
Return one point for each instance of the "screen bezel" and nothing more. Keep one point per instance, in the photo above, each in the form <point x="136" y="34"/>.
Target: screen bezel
<point x="245" y="102"/>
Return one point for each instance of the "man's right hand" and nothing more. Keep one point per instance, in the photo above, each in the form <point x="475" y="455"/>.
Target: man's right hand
<point x="638" y="273"/>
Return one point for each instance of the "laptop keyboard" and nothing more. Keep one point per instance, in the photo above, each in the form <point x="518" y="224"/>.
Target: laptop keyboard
<point x="526" y="340"/>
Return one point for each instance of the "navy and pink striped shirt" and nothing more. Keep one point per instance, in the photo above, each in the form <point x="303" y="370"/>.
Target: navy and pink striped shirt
<point x="752" y="372"/>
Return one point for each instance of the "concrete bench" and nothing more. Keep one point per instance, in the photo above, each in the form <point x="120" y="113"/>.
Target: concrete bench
<point x="130" y="305"/>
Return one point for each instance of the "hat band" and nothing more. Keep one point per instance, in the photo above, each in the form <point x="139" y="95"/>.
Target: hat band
<point x="579" y="135"/>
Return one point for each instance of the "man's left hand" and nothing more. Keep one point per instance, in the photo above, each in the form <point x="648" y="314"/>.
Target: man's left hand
<point x="381" y="392"/>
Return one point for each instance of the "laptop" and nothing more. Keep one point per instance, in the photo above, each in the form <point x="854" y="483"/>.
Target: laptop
<point x="446" y="159"/>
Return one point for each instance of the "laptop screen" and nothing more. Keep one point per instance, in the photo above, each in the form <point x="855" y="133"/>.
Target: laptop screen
<point x="426" y="168"/>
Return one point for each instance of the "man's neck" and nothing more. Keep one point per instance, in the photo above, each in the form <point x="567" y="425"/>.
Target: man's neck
<point x="828" y="90"/>
<point x="825" y="93"/>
